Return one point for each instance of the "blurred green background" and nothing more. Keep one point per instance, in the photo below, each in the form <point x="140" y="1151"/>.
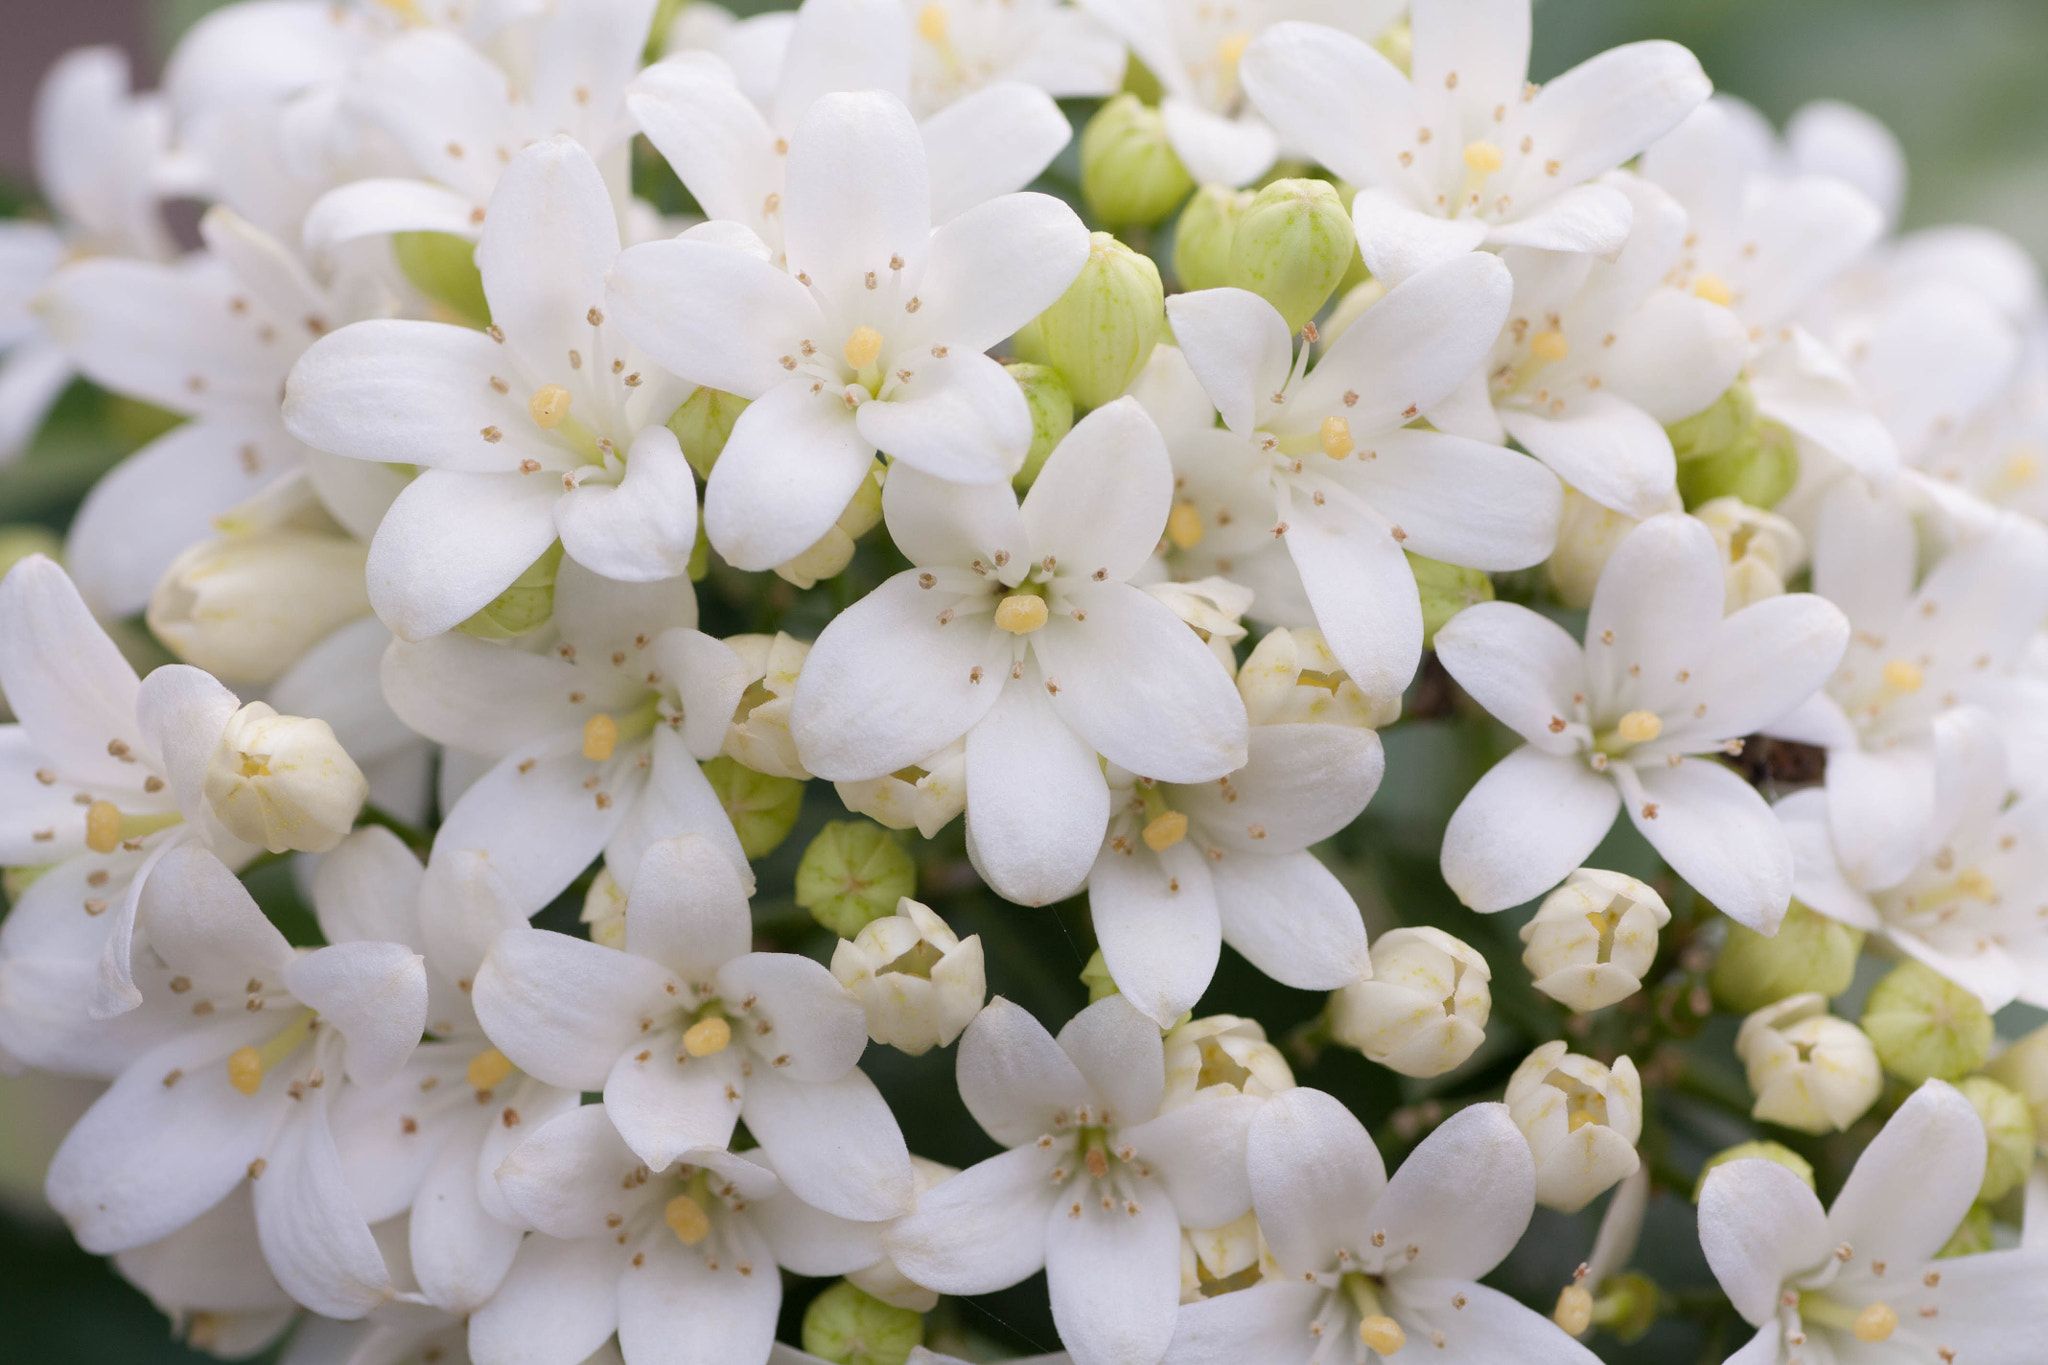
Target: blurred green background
<point x="1958" y="80"/>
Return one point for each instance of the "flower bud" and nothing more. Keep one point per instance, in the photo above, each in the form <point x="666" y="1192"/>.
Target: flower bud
<point x="1100" y="333"/>
<point x="1291" y="677"/>
<point x="1213" y="608"/>
<point x="1593" y="938"/>
<point x="1052" y="415"/>
<point x="1717" y="426"/>
<point x="849" y="1326"/>
<point x="1586" y="536"/>
<point x="759" y="734"/>
<point x="1130" y="175"/>
<point x="246" y="608"/>
<point x="2023" y="1068"/>
<point x="919" y="983"/>
<point x="1808" y="1069"/>
<point x="1760" y="549"/>
<point x="604" y="909"/>
<point x="1095" y="976"/>
<point x="442" y="266"/>
<point x="829" y="555"/>
<point x="1446" y="590"/>
<point x="925" y="797"/>
<point x="1222" y="1054"/>
<point x="1727" y="449"/>
<point x="1763" y="1150"/>
<point x="525" y="606"/>
<point x="1202" y="237"/>
<point x="1810" y="954"/>
<point x="853" y="872"/>
<point x="1423" y="1011"/>
<point x="1582" y="1120"/>
<point x="283" y="782"/>
<point x="2009" y="1126"/>
<point x="702" y="425"/>
<point x="1293" y="243"/>
<point x="763" y="808"/>
<point x="1925" y="1026"/>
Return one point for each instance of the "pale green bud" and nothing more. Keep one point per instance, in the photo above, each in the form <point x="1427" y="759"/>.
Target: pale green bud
<point x="854" y="872"/>
<point x="1102" y="330"/>
<point x="1052" y="415"/>
<point x="702" y="425"/>
<point x="442" y="266"/>
<point x="1810" y="953"/>
<point x="1761" y="1150"/>
<point x="1728" y="450"/>
<point x="1972" y="1236"/>
<point x="527" y="605"/>
<point x="1446" y="590"/>
<point x="850" y="1327"/>
<point x="762" y="809"/>
<point x="2009" y="1125"/>
<point x="1130" y="175"/>
<point x="1926" y="1026"/>
<point x="19" y="542"/>
<point x="1202" y="237"/>
<point x="1628" y="1306"/>
<point x="1717" y="426"/>
<point x="1095" y="976"/>
<point x="1292" y="245"/>
<point x="2023" y="1068"/>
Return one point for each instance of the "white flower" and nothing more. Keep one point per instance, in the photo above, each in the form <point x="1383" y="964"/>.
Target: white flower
<point x="1018" y="630"/>
<point x="209" y="1278"/>
<point x="1861" y="1281"/>
<point x="1593" y="938"/>
<point x="1324" y="464"/>
<point x="1372" y="1266"/>
<point x="1422" y="1009"/>
<point x="1582" y="1121"/>
<point x="283" y="782"/>
<point x="884" y="1279"/>
<point x="873" y="339"/>
<point x="686" y="1032"/>
<point x="918" y="981"/>
<point x="548" y="424"/>
<point x="759" y="735"/>
<point x="1662" y="681"/>
<point x="1097" y="1183"/>
<point x="1464" y="151"/>
<point x="1809" y="1070"/>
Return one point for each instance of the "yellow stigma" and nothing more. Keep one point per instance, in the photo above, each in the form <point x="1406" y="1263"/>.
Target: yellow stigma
<point x="1230" y="50"/>
<point x="686" y="1219"/>
<point x="1876" y="1323"/>
<point x="931" y="23"/>
<point x="1382" y="1334"/>
<point x="246" y="1065"/>
<point x="1901" y="676"/>
<point x="103" y="827"/>
<point x="863" y="346"/>
<point x="548" y="406"/>
<point x="245" y="1070"/>
<point x="1484" y="157"/>
<point x="1550" y="346"/>
<point x="1184" y="526"/>
<point x="1640" y="727"/>
<point x="1973" y="882"/>
<point x="1020" y="613"/>
<point x="1574" y="1310"/>
<point x="1337" y="442"/>
<point x="488" y="1068"/>
<point x="1165" y="831"/>
<point x="707" y="1037"/>
<point x="1712" y="288"/>
<point x="600" y="737"/>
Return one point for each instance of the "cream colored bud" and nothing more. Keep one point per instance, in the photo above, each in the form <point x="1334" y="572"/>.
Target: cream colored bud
<point x="247" y="607"/>
<point x="829" y="555"/>
<point x="1291" y="677"/>
<point x="1759" y="549"/>
<point x="1423" y="1011"/>
<point x="283" y="782"/>
<point x="1219" y="1260"/>
<point x="1213" y="608"/>
<point x="1809" y="1070"/>
<point x="1593" y="939"/>
<point x="1582" y="1121"/>
<point x="919" y="983"/>
<point x="759" y="736"/>
<point x="1586" y="536"/>
<point x="926" y="797"/>
<point x="1222" y="1054"/>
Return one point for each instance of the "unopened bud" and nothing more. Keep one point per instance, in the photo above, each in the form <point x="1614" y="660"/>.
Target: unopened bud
<point x="1424" y="1009"/>
<point x="442" y="266"/>
<point x="1095" y="976"/>
<point x="1810" y="954"/>
<point x="763" y="809"/>
<point x="1760" y="1151"/>
<point x="853" y="872"/>
<point x="1446" y="590"/>
<point x="2023" y="1069"/>
<point x="525" y="606"/>
<point x="1594" y="938"/>
<point x="925" y="797"/>
<point x="1202" y="237"/>
<point x="829" y="555"/>
<point x="283" y="782"/>
<point x="604" y="910"/>
<point x="919" y="982"/>
<point x="1221" y="1054"/>
<point x="1728" y="450"/>
<point x="1101" y="332"/>
<point x="2009" y="1126"/>
<point x="1586" y="536"/>
<point x="1809" y="1070"/>
<point x="1717" y="426"/>
<point x="1924" y="1026"/>
<point x="759" y="734"/>
<point x="1759" y="549"/>
<point x="1291" y="677"/>
<point x="848" y="1326"/>
<point x="1130" y="175"/>
<point x="246" y="608"/>
<point x="702" y="425"/>
<point x="1052" y="415"/>
<point x="1212" y="607"/>
<point x="1293" y="243"/>
<point x="1582" y="1120"/>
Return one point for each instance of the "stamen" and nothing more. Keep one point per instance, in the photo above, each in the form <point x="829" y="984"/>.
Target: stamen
<point x="1166" y="831"/>
<point x="488" y="1068"/>
<point x="246" y="1065"/>
<point x="600" y="737"/>
<point x="686" y="1219"/>
<point x="1712" y="288"/>
<point x="707" y="1037"/>
<point x="931" y="23"/>
<point x="1574" y="1310"/>
<point x="1021" y="613"/>
<point x="548" y="406"/>
<point x="863" y="347"/>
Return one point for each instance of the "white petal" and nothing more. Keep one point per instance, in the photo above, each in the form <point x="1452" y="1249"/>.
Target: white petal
<point x="1199" y="1152"/>
<point x="1013" y="1076"/>
<point x="990" y="142"/>
<point x="182" y="713"/>
<point x="1768" y="658"/>
<point x="666" y="1103"/>
<point x="716" y="139"/>
<point x="712" y="315"/>
<point x="1675" y="355"/>
<point x="1238" y="346"/>
<point x="476" y="696"/>
<point x="452" y="542"/>
<point x="66" y="682"/>
<point x="540" y="827"/>
<point x="858" y="195"/>
<point x="999" y="265"/>
<point x="414" y="392"/>
<point x="559" y="1303"/>
<point x="1759" y="1226"/>
<point x="1364" y="596"/>
<point x="796" y="1015"/>
<point x="791" y="465"/>
<point x="373" y="207"/>
<point x="562" y="1008"/>
<point x="1483" y="1324"/>
<point x="1100" y="501"/>
<point x="1300" y="785"/>
<point x="688" y="910"/>
<point x="981" y="1230"/>
<point x="642" y="530"/>
<point x="1037" y="803"/>
<point x="1398" y="241"/>
<point x="568" y="1178"/>
<point x="1609" y="107"/>
<point x="1113" y="1273"/>
<point x="1218" y="150"/>
<point x="835" y="1143"/>
<point x="460" y="1254"/>
<point x="1522" y="667"/>
<point x="1463" y="1196"/>
<point x="675" y="1310"/>
<point x="551" y="235"/>
<point x="201" y="921"/>
<point x="1524" y="826"/>
<point x="841" y="45"/>
<point x="1915" y="1180"/>
<point x="1315" y="1176"/>
<point x="1332" y="96"/>
<point x="1292" y="919"/>
<point x="1119" y="1051"/>
<point x="312" y="1234"/>
<point x="809" y="1242"/>
<point x="1880" y="810"/>
<point x="1250" y="1327"/>
<point x="1607" y="448"/>
<point x="1655" y="614"/>
<point x="938" y="523"/>
<point x="960" y="417"/>
<point x="367" y="889"/>
<point x="1817" y="877"/>
<point x="1156" y="923"/>
<point x="1864" y="555"/>
<point x="1459" y="500"/>
<point x="1827" y="137"/>
<point x="1718" y="834"/>
<point x="1593" y="219"/>
<point x="374" y="993"/>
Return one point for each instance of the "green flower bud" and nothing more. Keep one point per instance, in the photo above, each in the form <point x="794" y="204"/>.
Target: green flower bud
<point x="1130" y="175"/>
<point x="1446" y="590"/>
<point x="1925" y="1025"/>
<point x="1201" y="239"/>
<point x="1809" y="953"/>
<point x="19" y="542"/>
<point x="2009" y="1125"/>
<point x="763" y="809"/>
<point x="2023" y="1068"/>
<point x="849" y="1327"/>
<point x="1767" y="1151"/>
<point x="525" y="606"/>
<point x="1972" y="1235"/>
<point x="1102" y="330"/>
<point x="1095" y="976"/>
<point x="1717" y="426"/>
<point x="1292" y="245"/>
<point x="1052" y="415"/>
<point x="1628" y="1306"/>
<point x="853" y="872"/>
<point x="443" y="267"/>
<point x="702" y="424"/>
<point x="1760" y="469"/>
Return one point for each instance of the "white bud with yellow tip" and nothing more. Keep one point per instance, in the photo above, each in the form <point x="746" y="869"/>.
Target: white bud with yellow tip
<point x="1809" y="1070"/>
<point x="1424" y="1010"/>
<point x="246" y="608"/>
<point x="1593" y="939"/>
<point x="1582" y="1121"/>
<point x="283" y="782"/>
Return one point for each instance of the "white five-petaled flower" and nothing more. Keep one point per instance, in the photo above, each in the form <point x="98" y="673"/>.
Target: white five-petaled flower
<point x="873" y="339"/>
<point x="1019" y="630"/>
<point x="1662" y="681"/>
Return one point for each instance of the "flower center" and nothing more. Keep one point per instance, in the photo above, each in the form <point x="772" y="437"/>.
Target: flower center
<point x="1336" y="438"/>
<point x="1021" y="612"/>
<point x="549" y="406"/>
<point x="1376" y="1329"/>
<point x="863" y="348"/>
<point x="247" y="1065"/>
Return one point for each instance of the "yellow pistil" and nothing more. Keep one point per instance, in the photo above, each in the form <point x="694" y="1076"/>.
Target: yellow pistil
<point x="931" y="23"/>
<point x="707" y="1037"/>
<point x="1021" y="613"/>
<point x="1382" y="1334"/>
<point x="488" y="1068"/>
<point x="246" y="1065"/>
<point x="1901" y="676"/>
<point x="1483" y="157"/>
<point x="600" y="737"/>
<point x="1574" y="1310"/>
<point x="686" y="1219"/>
<point x="1164" y="831"/>
<point x="1712" y="288"/>
<point x="245" y="1070"/>
<point x="1337" y="442"/>
<point x="863" y="347"/>
<point x="548" y="406"/>
<point x="1640" y="727"/>
<point x="103" y="827"/>
<point x="1184" y="526"/>
<point x="1549" y="346"/>
<point x="1875" y="1323"/>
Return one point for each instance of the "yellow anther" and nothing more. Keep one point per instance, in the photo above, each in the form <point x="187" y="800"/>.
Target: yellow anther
<point x="1901" y="676"/>
<point x="1230" y="50"/>
<point x="1574" y="1310"/>
<point x="488" y="1068"/>
<point x="1712" y="288"/>
<point x="1484" y="157"/>
<point x="1549" y="346"/>
<point x="600" y="737"/>
<point x="103" y="827"/>
<point x="1184" y="526"/>
<point x="245" y="1070"/>
<point x="1640" y="727"/>
<point x="863" y="346"/>
<point x="931" y="23"/>
<point x="686" y="1219"/>
<point x="1165" y="831"/>
<point x="1876" y="1323"/>
<point x="548" y="406"/>
<point x="1382" y="1334"/>
<point x="1337" y="442"/>
<point x="707" y="1037"/>
<point x="1021" y="613"/>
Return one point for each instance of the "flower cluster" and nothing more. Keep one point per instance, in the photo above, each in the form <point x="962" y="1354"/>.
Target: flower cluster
<point x="591" y="428"/>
